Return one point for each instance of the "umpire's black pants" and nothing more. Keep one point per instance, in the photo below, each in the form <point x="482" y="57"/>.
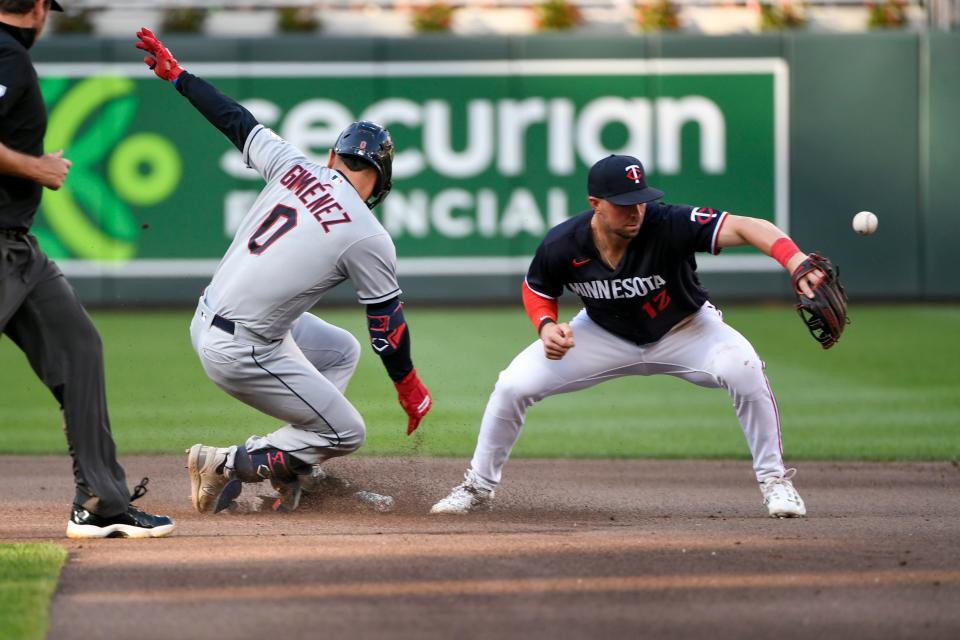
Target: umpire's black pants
<point x="41" y="313"/>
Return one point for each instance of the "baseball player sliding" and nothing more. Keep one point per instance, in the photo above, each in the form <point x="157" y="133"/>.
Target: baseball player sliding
<point x="310" y="229"/>
<point x="630" y="259"/>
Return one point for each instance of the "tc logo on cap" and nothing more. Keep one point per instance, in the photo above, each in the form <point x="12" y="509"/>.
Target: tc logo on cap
<point x="621" y="180"/>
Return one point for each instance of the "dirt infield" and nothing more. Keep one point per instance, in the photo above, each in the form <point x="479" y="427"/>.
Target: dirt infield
<point x="574" y="549"/>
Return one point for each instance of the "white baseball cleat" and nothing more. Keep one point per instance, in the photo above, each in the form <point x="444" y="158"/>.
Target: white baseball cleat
<point x="206" y="475"/>
<point x="464" y="498"/>
<point x="781" y="497"/>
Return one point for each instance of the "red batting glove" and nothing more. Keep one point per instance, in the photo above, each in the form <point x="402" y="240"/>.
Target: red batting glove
<point x="160" y="59"/>
<point x="414" y="398"/>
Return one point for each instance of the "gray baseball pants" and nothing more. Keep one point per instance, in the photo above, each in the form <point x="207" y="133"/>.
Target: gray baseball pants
<point x="299" y="379"/>
<point x="41" y="313"/>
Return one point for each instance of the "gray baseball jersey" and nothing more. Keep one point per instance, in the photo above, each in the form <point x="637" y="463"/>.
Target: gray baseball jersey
<point x="307" y="232"/>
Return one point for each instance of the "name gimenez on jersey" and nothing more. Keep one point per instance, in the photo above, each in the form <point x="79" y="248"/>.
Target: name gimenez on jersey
<point x="306" y="186"/>
<point x="617" y="289"/>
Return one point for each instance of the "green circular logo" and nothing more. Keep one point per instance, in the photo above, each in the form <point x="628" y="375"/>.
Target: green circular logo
<point x="144" y="169"/>
<point x="90" y="217"/>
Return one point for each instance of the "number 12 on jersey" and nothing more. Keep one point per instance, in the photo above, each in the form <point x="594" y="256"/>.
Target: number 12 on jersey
<point x="661" y="300"/>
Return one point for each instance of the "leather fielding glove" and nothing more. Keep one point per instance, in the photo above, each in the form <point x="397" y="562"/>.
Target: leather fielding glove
<point x="159" y="57"/>
<point x="414" y="398"/>
<point x="825" y="315"/>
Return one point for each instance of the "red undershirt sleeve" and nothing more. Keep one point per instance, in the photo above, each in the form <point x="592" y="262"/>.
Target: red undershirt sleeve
<point x="540" y="308"/>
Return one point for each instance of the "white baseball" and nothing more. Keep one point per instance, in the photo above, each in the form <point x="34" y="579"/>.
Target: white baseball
<point x="865" y="223"/>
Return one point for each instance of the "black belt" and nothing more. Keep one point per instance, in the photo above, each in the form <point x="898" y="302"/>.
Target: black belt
<point x="223" y="324"/>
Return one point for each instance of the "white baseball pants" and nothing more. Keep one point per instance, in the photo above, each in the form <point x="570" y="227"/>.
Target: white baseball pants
<point x="299" y="379"/>
<point x="702" y="349"/>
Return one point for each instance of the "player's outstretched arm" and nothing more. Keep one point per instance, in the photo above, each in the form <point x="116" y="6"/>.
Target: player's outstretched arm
<point x="390" y="339"/>
<point x="223" y="112"/>
<point x="765" y="236"/>
<point x="822" y="303"/>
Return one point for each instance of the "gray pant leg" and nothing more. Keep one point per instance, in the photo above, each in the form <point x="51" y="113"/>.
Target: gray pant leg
<point x="280" y="381"/>
<point x="45" y="319"/>
<point x="333" y="351"/>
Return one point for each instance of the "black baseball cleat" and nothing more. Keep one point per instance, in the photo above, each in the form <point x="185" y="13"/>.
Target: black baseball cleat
<point x="134" y="523"/>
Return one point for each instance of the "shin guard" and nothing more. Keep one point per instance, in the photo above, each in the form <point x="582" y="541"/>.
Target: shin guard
<point x="267" y="464"/>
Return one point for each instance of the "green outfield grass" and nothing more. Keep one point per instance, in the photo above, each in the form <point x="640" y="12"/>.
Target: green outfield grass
<point x="28" y="576"/>
<point x="889" y="391"/>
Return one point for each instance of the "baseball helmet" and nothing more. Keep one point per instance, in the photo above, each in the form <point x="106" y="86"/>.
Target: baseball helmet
<point x="371" y="143"/>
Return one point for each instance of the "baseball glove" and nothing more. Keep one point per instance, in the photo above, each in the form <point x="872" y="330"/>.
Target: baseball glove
<point x="825" y="314"/>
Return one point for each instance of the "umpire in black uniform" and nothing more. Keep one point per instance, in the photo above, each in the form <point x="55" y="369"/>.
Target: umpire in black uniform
<point x="39" y="310"/>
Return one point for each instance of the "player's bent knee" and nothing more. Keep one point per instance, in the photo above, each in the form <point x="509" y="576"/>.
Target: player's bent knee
<point x="515" y="390"/>
<point x="351" y="436"/>
<point x="740" y="372"/>
<point x="352" y="350"/>
<point x="83" y="344"/>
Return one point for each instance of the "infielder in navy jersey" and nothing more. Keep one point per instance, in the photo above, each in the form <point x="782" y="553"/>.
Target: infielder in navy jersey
<point x="631" y="261"/>
<point x="311" y="228"/>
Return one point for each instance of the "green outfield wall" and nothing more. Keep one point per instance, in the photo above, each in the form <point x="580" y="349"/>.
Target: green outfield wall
<point x="494" y="139"/>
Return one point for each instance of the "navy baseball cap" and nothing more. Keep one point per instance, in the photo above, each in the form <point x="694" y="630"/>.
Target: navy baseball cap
<point x="620" y="180"/>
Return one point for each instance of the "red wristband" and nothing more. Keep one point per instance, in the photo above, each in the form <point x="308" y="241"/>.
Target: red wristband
<point x="782" y="250"/>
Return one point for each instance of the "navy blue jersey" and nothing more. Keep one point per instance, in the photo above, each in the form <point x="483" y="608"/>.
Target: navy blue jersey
<point x="654" y="287"/>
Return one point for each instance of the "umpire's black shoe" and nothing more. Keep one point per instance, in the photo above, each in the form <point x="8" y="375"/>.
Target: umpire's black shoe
<point x="132" y="524"/>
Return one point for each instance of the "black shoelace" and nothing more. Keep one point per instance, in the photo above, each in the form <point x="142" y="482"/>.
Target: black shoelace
<point x="140" y="490"/>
